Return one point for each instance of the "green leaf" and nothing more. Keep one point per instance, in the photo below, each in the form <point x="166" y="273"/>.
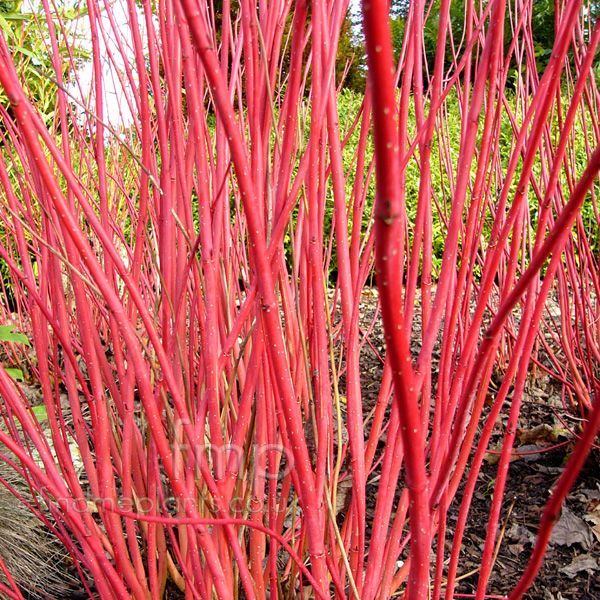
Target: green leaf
<point x="16" y="374"/>
<point x="6" y="28"/>
<point x="13" y="16"/>
<point x="6" y="335"/>
<point x="26" y="52"/>
<point x="40" y="412"/>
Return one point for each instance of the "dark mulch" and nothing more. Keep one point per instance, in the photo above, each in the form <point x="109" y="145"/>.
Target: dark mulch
<point x="573" y="559"/>
<point x="572" y="562"/>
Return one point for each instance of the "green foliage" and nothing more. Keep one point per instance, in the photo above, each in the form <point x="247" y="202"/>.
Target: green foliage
<point x="542" y="29"/>
<point x="16" y="374"/>
<point x="449" y="136"/>
<point x="28" y="38"/>
<point x="351" y="59"/>
<point x="7" y="335"/>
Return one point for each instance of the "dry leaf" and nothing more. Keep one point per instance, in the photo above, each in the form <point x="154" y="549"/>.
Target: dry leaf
<point x="570" y="530"/>
<point x="585" y="562"/>
<point x="516" y="549"/>
<point x="520" y="535"/>
<point x="593" y="517"/>
<point x="541" y="433"/>
<point x="493" y="458"/>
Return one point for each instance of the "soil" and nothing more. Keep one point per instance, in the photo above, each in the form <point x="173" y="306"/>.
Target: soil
<point x="544" y="441"/>
<point x="575" y="542"/>
<point x="572" y="564"/>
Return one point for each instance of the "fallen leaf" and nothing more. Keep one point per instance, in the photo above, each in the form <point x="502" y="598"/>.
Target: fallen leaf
<point x="493" y="458"/>
<point x="584" y="562"/>
<point x="590" y="497"/>
<point x="528" y="452"/>
<point x="515" y="549"/>
<point x="541" y="433"/>
<point x="593" y="517"/>
<point x="520" y="535"/>
<point x="570" y="530"/>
